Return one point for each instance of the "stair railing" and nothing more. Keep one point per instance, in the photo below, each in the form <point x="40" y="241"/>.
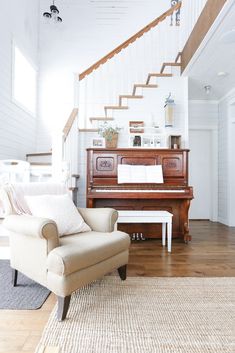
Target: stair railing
<point x="70" y="148"/>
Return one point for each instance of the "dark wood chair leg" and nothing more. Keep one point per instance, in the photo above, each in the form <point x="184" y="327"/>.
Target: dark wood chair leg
<point x="63" y="307"/>
<point x="122" y="272"/>
<point x="14" y="277"/>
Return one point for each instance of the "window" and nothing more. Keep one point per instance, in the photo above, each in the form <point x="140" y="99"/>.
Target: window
<point x="24" y="82"/>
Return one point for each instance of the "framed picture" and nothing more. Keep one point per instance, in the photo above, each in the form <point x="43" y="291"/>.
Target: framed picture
<point x="98" y="142"/>
<point x="148" y="141"/>
<point x="135" y="141"/>
<point x="136" y="127"/>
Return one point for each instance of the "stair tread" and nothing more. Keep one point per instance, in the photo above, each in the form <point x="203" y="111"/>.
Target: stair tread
<point x="160" y="75"/>
<point x="101" y="118"/>
<point x="131" y="96"/>
<point x="145" y="85"/>
<point x="88" y="130"/>
<point x="171" y="64"/>
<point x="116" y="107"/>
<point x="39" y="154"/>
<point x="40" y="164"/>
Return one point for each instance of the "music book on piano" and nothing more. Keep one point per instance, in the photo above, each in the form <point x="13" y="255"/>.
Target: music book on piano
<point x="140" y="174"/>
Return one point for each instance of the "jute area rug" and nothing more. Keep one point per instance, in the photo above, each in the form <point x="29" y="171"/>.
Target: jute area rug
<point x="148" y="315"/>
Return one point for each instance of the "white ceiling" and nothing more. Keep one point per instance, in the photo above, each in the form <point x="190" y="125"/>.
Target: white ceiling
<point x="92" y="28"/>
<point x="214" y="57"/>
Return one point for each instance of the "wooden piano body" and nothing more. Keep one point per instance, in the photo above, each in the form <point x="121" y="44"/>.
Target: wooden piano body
<point x="174" y="195"/>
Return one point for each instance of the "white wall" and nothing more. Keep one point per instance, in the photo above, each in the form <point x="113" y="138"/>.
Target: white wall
<point x="226" y="160"/>
<point x="150" y="109"/>
<point x="82" y="39"/>
<point x="18" y="22"/>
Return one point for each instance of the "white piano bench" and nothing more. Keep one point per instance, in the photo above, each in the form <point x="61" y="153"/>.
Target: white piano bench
<point x="163" y="217"/>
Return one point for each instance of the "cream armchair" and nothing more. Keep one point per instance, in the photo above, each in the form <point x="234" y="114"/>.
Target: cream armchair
<point x="65" y="264"/>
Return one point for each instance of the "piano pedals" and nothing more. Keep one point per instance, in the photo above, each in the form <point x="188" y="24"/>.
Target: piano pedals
<point x="137" y="236"/>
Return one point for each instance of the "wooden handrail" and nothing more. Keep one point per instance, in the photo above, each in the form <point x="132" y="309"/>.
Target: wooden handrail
<point x="132" y="39"/>
<point x="69" y="123"/>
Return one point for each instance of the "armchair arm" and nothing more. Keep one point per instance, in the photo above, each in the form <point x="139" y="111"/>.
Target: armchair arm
<point x="100" y="219"/>
<point x="34" y="227"/>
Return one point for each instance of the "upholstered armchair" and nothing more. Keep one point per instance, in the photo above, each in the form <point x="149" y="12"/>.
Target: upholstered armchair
<point x="64" y="264"/>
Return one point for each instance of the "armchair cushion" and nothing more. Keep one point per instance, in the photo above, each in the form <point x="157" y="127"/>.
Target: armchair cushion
<point x="59" y="208"/>
<point x="80" y="251"/>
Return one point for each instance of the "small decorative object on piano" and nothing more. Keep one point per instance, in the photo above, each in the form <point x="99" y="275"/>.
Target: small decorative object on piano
<point x="98" y="142"/>
<point x="110" y="133"/>
<point x="169" y="111"/>
<point x="136" y="126"/>
<point x="175" y="141"/>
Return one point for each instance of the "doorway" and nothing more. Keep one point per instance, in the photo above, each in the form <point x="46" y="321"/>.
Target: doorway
<point x="201" y="174"/>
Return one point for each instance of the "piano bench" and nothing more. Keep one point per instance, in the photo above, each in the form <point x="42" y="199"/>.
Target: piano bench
<point x="164" y="217"/>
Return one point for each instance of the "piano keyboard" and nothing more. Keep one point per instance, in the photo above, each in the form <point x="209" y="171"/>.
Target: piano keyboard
<point x="141" y="190"/>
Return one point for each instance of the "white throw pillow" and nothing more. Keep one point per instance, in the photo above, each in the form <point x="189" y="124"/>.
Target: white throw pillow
<point x="59" y="208"/>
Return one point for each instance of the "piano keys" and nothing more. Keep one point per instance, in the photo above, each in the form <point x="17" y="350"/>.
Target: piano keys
<point x="174" y="195"/>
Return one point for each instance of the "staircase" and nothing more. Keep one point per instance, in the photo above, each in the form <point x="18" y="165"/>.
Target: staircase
<point x="123" y="99"/>
<point x="125" y="73"/>
<point x="118" y="85"/>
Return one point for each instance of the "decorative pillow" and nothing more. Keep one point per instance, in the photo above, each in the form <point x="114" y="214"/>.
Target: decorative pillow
<point x="59" y="208"/>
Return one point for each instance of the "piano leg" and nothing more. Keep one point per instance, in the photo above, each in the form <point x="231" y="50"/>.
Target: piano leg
<point x="184" y="220"/>
<point x="90" y="203"/>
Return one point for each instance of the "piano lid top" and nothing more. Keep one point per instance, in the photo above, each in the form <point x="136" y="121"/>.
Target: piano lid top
<point x="139" y="149"/>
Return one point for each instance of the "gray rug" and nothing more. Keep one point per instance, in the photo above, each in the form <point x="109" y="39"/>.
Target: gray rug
<point x="147" y="315"/>
<point x="27" y="295"/>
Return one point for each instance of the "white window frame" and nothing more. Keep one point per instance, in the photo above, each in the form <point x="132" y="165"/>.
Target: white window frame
<point x="14" y="100"/>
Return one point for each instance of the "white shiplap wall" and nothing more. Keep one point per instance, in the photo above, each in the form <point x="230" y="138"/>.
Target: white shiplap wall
<point x="203" y="114"/>
<point x="18" y="22"/>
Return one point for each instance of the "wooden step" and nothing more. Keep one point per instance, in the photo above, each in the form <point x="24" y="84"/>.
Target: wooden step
<point x="157" y="75"/>
<point x="169" y="64"/>
<point x="103" y="118"/>
<point x="88" y="130"/>
<point x="117" y="107"/>
<point x="38" y="154"/>
<point x="40" y="164"/>
<point x="142" y="85"/>
<point x="128" y="96"/>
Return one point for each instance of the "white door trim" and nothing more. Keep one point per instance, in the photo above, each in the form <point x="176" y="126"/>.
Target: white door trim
<point x="231" y="121"/>
<point x="214" y="165"/>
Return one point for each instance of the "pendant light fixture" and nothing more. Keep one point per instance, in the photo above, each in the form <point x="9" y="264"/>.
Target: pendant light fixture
<point x="53" y="15"/>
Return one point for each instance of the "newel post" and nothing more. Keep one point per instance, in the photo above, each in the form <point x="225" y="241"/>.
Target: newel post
<point x="76" y="90"/>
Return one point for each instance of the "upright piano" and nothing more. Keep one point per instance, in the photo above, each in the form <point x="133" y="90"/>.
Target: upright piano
<point x="173" y="195"/>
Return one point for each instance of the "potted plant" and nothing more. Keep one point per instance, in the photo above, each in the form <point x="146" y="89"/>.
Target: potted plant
<point x="110" y="133"/>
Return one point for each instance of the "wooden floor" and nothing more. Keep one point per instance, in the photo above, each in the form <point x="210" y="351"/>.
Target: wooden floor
<point x="211" y="253"/>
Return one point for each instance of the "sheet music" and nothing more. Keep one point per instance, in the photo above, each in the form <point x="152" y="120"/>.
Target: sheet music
<point x="140" y="174"/>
